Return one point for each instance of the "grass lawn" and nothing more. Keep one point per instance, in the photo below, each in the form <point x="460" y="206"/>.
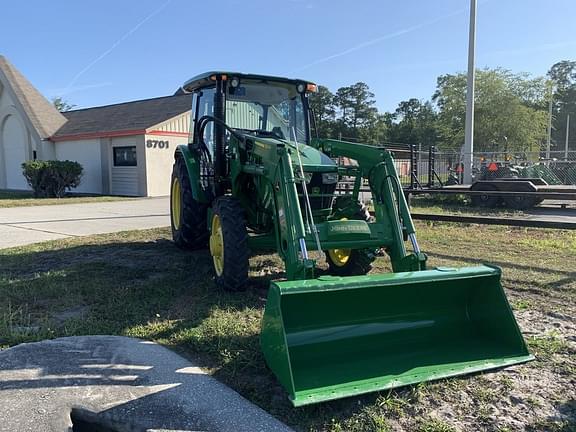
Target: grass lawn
<point x="26" y="199"/>
<point x="107" y="285"/>
<point x="456" y="204"/>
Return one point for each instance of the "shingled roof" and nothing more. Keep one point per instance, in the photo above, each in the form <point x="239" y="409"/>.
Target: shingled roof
<point x="123" y="117"/>
<point x="42" y="114"/>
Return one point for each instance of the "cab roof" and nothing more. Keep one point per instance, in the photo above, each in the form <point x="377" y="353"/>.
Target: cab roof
<point x="207" y="78"/>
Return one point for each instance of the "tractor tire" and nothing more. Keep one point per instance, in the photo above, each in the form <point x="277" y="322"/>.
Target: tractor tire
<point x="187" y="216"/>
<point x="229" y="244"/>
<point x="351" y="262"/>
<point x="485" y="200"/>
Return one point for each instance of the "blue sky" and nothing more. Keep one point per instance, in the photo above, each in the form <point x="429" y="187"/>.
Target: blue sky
<point x="108" y="51"/>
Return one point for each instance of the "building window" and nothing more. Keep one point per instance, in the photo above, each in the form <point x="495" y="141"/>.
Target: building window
<point x="125" y="156"/>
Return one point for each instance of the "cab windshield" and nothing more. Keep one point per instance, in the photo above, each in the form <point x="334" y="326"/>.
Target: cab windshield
<point x="269" y="108"/>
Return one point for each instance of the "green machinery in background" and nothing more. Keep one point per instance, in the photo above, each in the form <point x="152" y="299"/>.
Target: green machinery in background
<point x="253" y="179"/>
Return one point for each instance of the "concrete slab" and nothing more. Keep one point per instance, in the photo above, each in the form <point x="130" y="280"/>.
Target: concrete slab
<point x="120" y="383"/>
<point x="25" y="225"/>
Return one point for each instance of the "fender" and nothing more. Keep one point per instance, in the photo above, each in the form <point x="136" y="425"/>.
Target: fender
<point x="193" y="169"/>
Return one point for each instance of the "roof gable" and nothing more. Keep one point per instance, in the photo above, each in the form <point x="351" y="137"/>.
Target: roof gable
<point x="45" y="118"/>
<point x="129" y="117"/>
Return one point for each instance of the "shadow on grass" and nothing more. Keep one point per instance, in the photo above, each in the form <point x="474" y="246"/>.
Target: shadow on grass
<point x="152" y="290"/>
<point x="147" y="289"/>
<point x="125" y="285"/>
<point x="556" y="424"/>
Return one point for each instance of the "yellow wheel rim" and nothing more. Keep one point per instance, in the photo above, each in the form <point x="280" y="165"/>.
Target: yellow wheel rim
<point x="217" y="245"/>
<point x="339" y="256"/>
<point x="176" y="201"/>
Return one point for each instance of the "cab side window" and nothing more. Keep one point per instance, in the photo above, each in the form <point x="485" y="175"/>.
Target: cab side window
<point x="205" y="106"/>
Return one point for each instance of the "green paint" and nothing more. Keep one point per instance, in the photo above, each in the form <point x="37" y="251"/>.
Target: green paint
<point x="334" y="337"/>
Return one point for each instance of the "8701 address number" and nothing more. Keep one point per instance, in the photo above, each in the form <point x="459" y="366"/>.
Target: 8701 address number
<point x="157" y="144"/>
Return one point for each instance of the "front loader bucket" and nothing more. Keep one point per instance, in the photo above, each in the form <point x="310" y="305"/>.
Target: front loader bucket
<point x="334" y="337"/>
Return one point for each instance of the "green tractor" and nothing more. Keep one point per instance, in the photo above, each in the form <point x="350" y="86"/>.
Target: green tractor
<point x="253" y="178"/>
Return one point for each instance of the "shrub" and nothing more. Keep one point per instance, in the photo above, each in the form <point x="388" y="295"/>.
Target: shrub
<point x="50" y="179"/>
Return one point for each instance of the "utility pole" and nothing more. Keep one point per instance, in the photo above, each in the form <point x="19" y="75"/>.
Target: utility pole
<point x="567" y="134"/>
<point x="549" y="122"/>
<point x="469" y="127"/>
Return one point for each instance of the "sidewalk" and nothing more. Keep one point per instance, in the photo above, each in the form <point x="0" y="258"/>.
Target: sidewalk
<point x="25" y="225"/>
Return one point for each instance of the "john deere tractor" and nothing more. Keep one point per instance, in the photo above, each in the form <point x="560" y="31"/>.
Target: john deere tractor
<point x="253" y="178"/>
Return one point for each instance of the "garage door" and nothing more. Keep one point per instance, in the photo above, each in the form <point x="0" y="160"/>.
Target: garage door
<point x="124" y="170"/>
<point x="13" y="141"/>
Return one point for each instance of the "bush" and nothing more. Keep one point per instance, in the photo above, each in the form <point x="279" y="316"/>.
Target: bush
<point x="50" y="179"/>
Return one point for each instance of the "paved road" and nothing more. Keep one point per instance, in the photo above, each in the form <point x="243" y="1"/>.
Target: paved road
<point x="25" y="225"/>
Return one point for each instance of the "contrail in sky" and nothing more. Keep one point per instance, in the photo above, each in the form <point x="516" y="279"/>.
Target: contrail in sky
<point x="380" y="39"/>
<point x="118" y="42"/>
<point x="72" y="89"/>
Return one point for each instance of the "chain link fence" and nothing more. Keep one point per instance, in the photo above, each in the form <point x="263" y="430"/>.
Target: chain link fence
<point x="433" y="168"/>
<point x="558" y="169"/>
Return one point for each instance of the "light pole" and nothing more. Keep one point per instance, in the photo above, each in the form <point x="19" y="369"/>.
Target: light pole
<point x="549" y="121"/>
<point x="567" y="135"/>
<point x="469" y="126"/>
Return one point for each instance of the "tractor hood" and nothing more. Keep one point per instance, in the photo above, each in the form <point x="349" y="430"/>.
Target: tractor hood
<point x="313" y="160"/>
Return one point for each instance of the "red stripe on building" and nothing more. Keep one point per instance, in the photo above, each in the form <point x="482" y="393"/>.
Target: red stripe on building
<point x="167" y="133"/>
<point x="90" y="135"/>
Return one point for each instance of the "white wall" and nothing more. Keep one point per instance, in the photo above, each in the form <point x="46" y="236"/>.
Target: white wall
<point x="159" y="160"/>
<point x="87" y="153"/>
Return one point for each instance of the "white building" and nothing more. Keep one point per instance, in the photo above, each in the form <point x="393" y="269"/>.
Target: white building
<point x="125" y="149"/>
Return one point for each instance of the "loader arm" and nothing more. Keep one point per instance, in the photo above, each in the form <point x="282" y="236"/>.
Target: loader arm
<point x="390" y="206"/>
<point x="291" y="234"/>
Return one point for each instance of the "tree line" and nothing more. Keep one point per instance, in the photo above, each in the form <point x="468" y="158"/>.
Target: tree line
<point x="511" y="112"/>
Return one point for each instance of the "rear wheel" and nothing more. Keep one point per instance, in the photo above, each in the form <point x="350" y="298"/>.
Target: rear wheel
<point x="229" y="244"/>
<point x="350" y="262"/>
<point x="485" y="200"/>
<point x="187" y="216"/>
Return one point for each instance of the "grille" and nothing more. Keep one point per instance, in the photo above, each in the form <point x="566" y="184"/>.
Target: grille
<point x="316" y="187"/>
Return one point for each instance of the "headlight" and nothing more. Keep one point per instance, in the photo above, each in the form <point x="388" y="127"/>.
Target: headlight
<point x="329" y="178"/>
<point x="307" y="176"/>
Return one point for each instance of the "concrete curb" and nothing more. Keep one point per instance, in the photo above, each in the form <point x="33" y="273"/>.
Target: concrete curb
<point x="122" y="383"/>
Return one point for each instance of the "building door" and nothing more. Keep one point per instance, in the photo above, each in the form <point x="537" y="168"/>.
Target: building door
<point x="124" y="170"/>
<point x="13" y="144"/>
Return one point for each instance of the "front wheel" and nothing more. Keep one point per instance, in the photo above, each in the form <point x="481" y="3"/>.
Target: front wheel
<point x="229" y="244"/>
<point x="350" y="262"/>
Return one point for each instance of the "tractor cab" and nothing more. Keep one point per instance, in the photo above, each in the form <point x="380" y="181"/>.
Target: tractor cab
<point x="259" y="111"/>
<point x="260" y="105"/>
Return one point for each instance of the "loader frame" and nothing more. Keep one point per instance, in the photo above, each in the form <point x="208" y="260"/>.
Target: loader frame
<point x="392" y="222"/>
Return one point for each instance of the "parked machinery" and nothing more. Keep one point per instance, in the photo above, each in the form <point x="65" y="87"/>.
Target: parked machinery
<point x="253" y="178"/>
